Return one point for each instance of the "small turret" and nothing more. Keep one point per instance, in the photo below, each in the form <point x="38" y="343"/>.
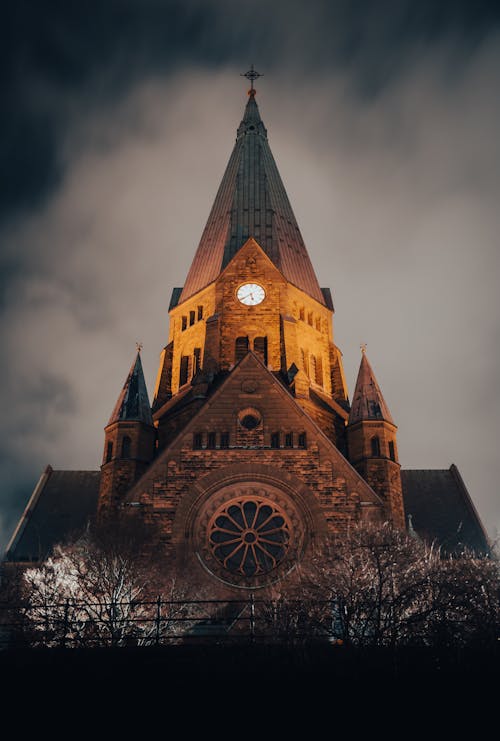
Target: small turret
<point x="129" y="440"/>
<point x="371" y="439"/>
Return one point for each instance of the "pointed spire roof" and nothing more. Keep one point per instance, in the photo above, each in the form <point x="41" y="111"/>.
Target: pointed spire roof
<point x="252" y="202"/>
<point x="133" y="402"/>
<point x="368" y="402"/>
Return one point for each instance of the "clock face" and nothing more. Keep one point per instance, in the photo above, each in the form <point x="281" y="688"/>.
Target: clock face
<point x="251" y="294"/>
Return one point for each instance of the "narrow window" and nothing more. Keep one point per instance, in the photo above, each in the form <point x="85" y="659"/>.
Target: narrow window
<point x="109" y="452"/>
<point x="392" y="452"/>
<point x="275" y="440"/>
<point x="301" y="313"/>
<point x="302" y="440"/>
<point x="260" y="348"/>
<point x="191" y="318"/>
<point x="319" y="371"/>
<point x="184" y="323"/>
<point x="318" y="324"/>
<point x="313" y="366"/>
<point x="241" y="348"/>
<point x="289" y="440"/>
<point x="375" y="447"/>
<point x="185" y="369"/>
<point x="224" y="439"/>
<point x="211" y="441"/>
<point x="310" y="318"/>
<point x="197" y="440"/>
<point x="196" y="359"/>
<point x="303" y="358"/>
<point x="126" y="443"/>
<point x="200" y="312"/>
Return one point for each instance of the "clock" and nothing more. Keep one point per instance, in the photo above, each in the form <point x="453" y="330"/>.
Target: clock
<point x="250" y="294"/>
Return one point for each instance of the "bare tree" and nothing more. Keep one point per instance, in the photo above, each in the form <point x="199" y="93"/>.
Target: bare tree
<point x="380" y="586"/>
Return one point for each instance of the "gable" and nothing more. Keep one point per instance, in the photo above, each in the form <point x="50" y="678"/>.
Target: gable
<point x="251" y="390"/>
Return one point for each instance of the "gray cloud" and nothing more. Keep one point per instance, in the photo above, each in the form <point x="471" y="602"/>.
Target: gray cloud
<point x="395" y="191"/>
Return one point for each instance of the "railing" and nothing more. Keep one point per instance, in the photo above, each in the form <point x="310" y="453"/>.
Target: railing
<point x="165" y="622"/>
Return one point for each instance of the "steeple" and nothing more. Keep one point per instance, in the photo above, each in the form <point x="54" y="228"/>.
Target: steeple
<point x="368" y="402"/>
<point x="133" y="402"/>
<point x="252" y="202"/>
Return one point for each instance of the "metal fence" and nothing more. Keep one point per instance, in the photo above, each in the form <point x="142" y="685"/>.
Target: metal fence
<point x="164" y="622"/>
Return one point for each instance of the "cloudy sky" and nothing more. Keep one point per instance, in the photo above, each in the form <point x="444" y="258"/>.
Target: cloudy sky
<point x="118" y="121"/>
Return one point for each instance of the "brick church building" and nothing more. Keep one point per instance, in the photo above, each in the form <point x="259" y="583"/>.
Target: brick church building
<point x="251" y="452"/>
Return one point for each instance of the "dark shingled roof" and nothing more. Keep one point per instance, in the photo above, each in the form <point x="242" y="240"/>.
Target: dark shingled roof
<point x="441" y="510"/>
<point x="367" y="401"/>
<point x="62" y="503"/>
<point x="252" y="202"/>
<point x="133" y="402"/>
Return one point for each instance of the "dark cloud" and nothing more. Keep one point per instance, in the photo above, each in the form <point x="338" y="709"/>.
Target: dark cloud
<point x="383" y="118"/>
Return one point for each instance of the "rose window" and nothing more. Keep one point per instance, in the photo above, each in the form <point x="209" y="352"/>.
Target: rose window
<point x="249" y="536"/>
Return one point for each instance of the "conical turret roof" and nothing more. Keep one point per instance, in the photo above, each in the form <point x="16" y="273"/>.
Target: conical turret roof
<point x="368" y="402"/>
<point x="252" y="202"/>
<point x="133" y="402"/>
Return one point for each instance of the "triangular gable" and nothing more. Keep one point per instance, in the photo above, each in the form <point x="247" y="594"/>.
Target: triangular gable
<point x="273" y="397"/>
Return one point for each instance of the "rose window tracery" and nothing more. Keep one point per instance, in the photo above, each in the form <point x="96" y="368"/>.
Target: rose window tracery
<point x="249" y="537"/>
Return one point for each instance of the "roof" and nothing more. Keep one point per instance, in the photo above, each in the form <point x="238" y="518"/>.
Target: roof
<point x="133" y="402"/>
<point x="368" y="402"/>
<point x="62" y="503"/>
<point x="252" y="202"/>
<point x="441" y="510"/>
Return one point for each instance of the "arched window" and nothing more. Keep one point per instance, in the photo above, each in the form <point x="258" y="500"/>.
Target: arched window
<point x="260" y="348"/>
<point x="126" y="445"/>
<point x="392" y="452"/>
<point x="241" y="348"/>
<point x="375" y="447"/>
<point x="191" y="318"/>
<point x="109" y="451"/>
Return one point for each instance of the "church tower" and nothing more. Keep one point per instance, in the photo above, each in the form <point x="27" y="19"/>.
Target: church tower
<point x="252" y="286"/>
<point x="371" y="437"/>
<point x="129" y="440"/>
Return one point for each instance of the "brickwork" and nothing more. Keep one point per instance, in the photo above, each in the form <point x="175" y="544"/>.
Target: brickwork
<point x="179" y="483"/>
<point x="128" y="451"/>
<point x="378" y="465"/>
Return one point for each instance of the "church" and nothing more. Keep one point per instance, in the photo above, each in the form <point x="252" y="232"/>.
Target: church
<point x="249" y="453"/>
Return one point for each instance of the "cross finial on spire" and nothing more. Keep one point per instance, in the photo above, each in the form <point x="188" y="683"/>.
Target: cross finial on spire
<point x="139" y="346"/>
<point x="363" y="347"/>
<point x="251" y="75"/>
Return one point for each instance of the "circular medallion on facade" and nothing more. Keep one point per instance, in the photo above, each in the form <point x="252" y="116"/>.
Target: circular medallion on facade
<point x="249" y="387"/>
<point x="249" y="535"/>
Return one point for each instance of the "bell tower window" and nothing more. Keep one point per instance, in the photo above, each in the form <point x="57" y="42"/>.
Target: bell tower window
<point x="126" y="445"/>
<point x="241" y="348"/>
<point x="260" y="348"/>
<point x="375" y="443"/>
<point x="392" y="452"/>
<point x="109" y="451"/>
<point x="185" y="370"/>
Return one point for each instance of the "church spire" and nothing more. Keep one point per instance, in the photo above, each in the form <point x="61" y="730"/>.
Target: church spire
<point x="252" y="202"/>
<point x="368" y="402"/>
<point x="133" y="402"/>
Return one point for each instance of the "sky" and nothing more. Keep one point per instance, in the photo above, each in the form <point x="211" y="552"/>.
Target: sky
<point x="119" y="119"/>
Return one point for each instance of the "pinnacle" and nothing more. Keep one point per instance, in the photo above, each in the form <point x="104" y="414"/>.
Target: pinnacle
<point x="368" y="402"/>
<point x="133" y="402"/>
